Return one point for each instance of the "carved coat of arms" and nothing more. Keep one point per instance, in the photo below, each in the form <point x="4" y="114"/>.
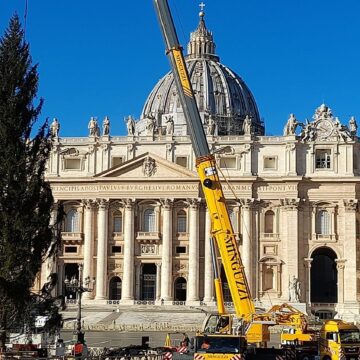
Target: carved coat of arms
<point x="149" y="166"/>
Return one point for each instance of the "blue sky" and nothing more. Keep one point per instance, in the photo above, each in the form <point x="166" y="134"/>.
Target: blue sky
<point x="102" y="58"/>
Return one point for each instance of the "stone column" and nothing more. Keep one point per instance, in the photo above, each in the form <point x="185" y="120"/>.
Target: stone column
<point x="158" y="281"/>
<point x="246" y="236"/>
<point x="350" y="283"/>
<point x="88" y="242"/>
<point x="128" y="274"/>
<point x="193" y="268"/>
<point x="290" y="159"/>
<point x="332" y="223"/>
<point x="137" y="281"/>
<point x="308" y="262"/>
<point x="340" y="266"/>
<point x="208" y="269"/>
<point x="291" y="247"/>
<point x="313" y="223"/>
<point x="247" y="154"/>
<point x="101" y="263"/>
<point x="166" y="257"/>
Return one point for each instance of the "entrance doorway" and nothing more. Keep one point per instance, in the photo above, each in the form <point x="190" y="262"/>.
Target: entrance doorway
<point x="71" y="271"/>
<point x="323" y="276"/>
<point x="180" y="289"/>
<point x="148" y="282"/>
<point x="115" y="288"/>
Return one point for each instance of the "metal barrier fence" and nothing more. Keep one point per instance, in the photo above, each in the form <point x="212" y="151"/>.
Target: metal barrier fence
<point x="93" y="354"/>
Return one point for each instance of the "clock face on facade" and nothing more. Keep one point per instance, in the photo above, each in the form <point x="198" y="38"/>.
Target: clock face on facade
<point x="324" y="128"/>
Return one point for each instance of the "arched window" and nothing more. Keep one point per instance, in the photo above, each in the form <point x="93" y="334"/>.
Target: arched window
<point x="72" y="221"/>
<point x="181" y="221"/>
<point x="269" y="222"/>
<point x="149" y="220"/>
<point x="323" y="223"/>
<point x="117" y="225"/>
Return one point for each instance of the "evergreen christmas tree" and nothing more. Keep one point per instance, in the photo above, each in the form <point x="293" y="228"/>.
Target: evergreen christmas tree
<point x="25" y="197"/>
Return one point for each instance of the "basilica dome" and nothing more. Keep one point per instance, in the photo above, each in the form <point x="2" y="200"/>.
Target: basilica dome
<point x="220" y="93"/>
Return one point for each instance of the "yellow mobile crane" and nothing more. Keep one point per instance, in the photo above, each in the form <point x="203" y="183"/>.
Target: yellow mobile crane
<point x="222" y="230"/>
<point x="224" y="337"/>
<point x="206" y="167"/>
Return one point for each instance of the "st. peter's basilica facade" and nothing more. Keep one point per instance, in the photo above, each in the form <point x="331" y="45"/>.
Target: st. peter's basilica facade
<point x="136" y="219"/>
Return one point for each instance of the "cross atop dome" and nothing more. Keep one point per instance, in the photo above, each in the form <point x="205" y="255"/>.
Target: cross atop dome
<point x="202" y="13"/>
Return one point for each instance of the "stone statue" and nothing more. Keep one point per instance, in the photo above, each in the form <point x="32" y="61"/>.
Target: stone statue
<point x="247" y="124"/>
<point x="211" y="125"/>
<point x="106" y="126"/>
<point x="150" y="124"/>
<point x="343" y="131"/>
<point x="294" y="289"/>
<point x="322" y="112"/>
<point x="353" y="126"/>
<point x="93" y="127"/>
<point x="55" y="127"/>
<point x="169" y="125"/>
<point x="308" y="132"/>
<point x="130" y="125"/>
<point x="290" y="126"/>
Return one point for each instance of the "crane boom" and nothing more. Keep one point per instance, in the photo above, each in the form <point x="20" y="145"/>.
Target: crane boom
<point x="221" y="226"/>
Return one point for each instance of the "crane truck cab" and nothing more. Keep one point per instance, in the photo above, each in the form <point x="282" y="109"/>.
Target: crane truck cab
<point x="219" y="347"/>
<point x="339" y="340"/>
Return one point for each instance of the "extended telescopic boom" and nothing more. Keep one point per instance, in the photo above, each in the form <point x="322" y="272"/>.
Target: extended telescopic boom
<point x="221" y="227"/>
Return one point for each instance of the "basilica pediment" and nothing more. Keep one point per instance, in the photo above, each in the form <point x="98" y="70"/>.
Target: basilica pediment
<point x="150" y="166"/>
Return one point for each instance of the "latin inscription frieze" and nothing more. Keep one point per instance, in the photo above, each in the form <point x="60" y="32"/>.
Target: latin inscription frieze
<point x="125" y="187"/>
<point x="277" y="188"/>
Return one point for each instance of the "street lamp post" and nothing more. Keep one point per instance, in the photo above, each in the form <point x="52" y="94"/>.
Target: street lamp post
<point x="77" y="286"/>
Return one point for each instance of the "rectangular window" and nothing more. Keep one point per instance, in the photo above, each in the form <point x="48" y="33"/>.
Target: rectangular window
<point x="116" y="249"/>
<point x="181" y="223"/>
<point x="228" y="162"/>
<point x="270" y="163"/>
<point x="72" y="164"/>
<point x="116" y="160"/>
<point x="118" y="224"/>
<point x="182" y="161"/>
<point x="71" y="249"/>
<point x="323" y="159"/>
<point x="181" y="249"/>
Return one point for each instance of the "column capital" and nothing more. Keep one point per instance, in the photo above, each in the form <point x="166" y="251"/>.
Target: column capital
<point x="103" y="204"/>
<point x="307" y="262"/>
<point x="290" y="146"/>
<point x="350" y="205"/>
<point x="193" y="203"/>
<point x="128" y="203"/>
<point x="340" y="264"/>
<point x="88" y="204"/>
<point x="56" y="205"/>
<point x="247" y="203"/>
<point x="167" y="204"/>
<point x="290" y="203"/>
